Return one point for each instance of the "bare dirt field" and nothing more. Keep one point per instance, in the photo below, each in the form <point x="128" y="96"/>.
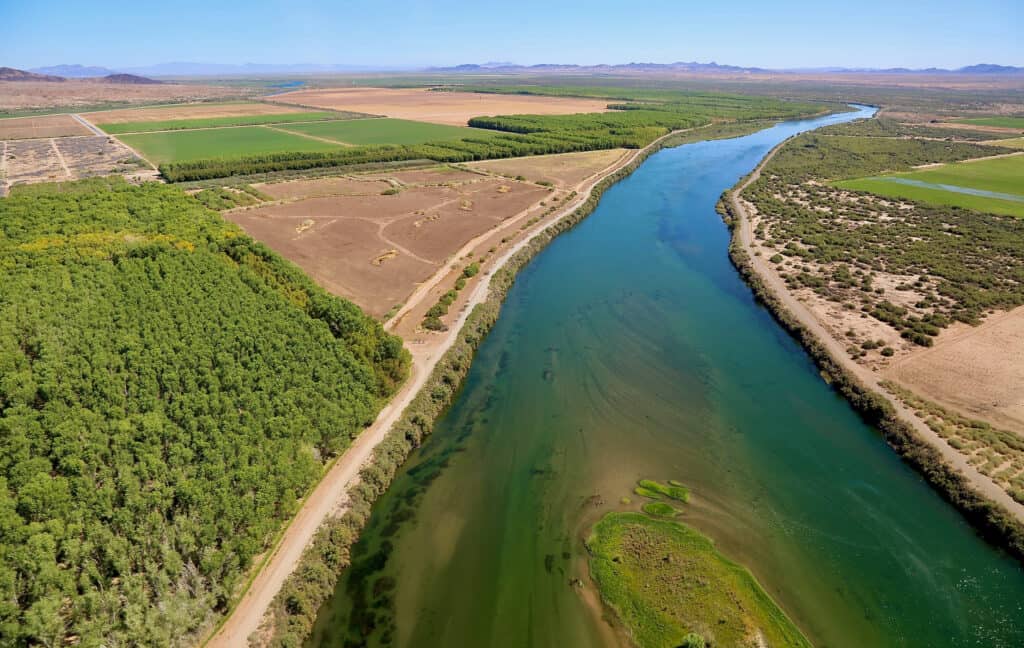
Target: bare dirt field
<point x="67" y="158"/>
<point x="561" y="170"/>
<point x="976" y="370"/>
<point x="46" y="126"/>
<point x="188" y="111"/>
<point x="375" y="248"/>
<point x="454" y="108"/>
<point x="24" y="95"/>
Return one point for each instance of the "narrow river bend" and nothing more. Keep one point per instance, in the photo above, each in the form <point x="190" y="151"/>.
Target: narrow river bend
<point x="630" y="348"/>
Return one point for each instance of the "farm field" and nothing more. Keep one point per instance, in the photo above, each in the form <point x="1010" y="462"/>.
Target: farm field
<point x="989" y="185"/>
<point x="453" y="108"/>
<point x="176" y="146"/>
<point x="45" y="126"/>
<point x="385" y="131"/>
<point x="1013" y="142"/>
<point x="217" y="122"/>
<point x="998" y="122"/>
<point x="975" y="370"/>
<point x="45" y="160"/>
<point x="207" y="110"/>
<point x="560" y="169"/>
<point x="374" y="248"/>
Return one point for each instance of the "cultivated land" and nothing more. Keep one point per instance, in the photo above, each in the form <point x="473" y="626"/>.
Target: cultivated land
<point x="186" y="111"/>
<point x="560" y="170"/>
<point x="185" y="145"/>
<point x="375" y="248"/>
<point x="66" y="158"/>
<point x="453" y="108"/>
<point x="1003" y="176"/>
<point x="217" y="122"/>
<point x="71" y="94"/>
<point x="999" y="122"/>
<point x="37" y="127"/>
<point x="385" y="131"/>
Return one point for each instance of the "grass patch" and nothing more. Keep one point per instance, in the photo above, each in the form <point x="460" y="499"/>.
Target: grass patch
<point x="660" y="509"/>
<point x="667" y="581"/>
<point x="673" y="490"/>
<point x="386" y="131"/>
<point x="934" y="196"/>
<point x="215" y="122"/>
<point x="185" y="145"/>
<point x="998" y="122"/>
<point x="646" y="492"/>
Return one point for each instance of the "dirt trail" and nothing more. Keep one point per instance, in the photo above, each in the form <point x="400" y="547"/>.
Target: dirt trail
<point x="60" y="158"/>
<point x="306" y="135"/>
<point x="837" y="349"/>
<point x="328" y="497"/>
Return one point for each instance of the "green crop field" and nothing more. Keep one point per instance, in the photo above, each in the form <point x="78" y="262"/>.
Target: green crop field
<point x="998" y="175"/>
<point x="1016" y="142"/>
<point x="215" y="122"/>
<point x="1001" y="122"/>
<point x="179" y="146"/>
<point x="386" y="131"/>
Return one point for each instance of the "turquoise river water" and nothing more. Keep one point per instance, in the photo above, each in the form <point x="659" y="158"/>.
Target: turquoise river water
<point x="630" y="348"/>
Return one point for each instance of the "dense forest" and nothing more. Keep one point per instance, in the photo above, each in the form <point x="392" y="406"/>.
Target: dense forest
<point x="168" y="389"/>
<point x="633" y="124"/>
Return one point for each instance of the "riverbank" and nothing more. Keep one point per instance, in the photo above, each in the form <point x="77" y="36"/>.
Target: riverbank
<point x="289" y="595"/>
<point x="998" y="517"/>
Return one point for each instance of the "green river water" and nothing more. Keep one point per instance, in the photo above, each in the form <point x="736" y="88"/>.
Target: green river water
<point x="630" y="348"/>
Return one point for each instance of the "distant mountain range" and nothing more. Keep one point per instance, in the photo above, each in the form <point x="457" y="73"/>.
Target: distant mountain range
<point x="12" y="74"/>
<point x="185" y="69"/>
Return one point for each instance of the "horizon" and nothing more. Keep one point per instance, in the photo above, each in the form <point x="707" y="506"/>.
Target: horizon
<point x="796" y="35"/>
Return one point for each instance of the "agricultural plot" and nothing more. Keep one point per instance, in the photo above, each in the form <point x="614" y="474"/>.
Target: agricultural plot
<point x="217" y="122"/>
<point x="997" y="122"/>
<point x="45" y="126"/>
<point x="993" y="185"/>
<point x="453" y="108"/>
<point x="385" y="131"/>
<point x="372" y="245"/>
<point x="184" y="145"/>
<point x="46" y="160"/>
<point x="560" y="170"/>
<point x="189" y="111"/>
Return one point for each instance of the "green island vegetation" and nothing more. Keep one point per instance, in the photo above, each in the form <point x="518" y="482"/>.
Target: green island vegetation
<point x="634" y="124"/>
<point x="294" y="609"/>
<point x="836" y="242"/>
<point x="999" y="122"/>
<point x="670" y="586"/>
<point x="170" y="389"/>
<point x="385" y="131"/>
<point x="660" y="509"/>
<point x="217" y="122"/>
<point x="999" y="454"/>
<point x="184" y="145"/>
<point x="1004" y="176"/>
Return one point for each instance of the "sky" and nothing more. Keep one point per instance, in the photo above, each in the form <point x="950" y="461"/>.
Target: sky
<point x="420" y="33"/>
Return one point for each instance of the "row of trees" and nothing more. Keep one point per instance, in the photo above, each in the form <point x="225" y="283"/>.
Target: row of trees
<point x="168" y="389"/>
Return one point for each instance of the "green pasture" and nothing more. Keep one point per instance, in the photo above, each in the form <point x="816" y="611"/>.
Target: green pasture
<point x="216" y="122"/>
<point x="1000" y="122"/>
<point x="386" y="131"/>
<point x="185" y="145"/>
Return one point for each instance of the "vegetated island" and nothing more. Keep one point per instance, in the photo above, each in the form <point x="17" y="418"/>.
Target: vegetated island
<point x="670" y="586"/>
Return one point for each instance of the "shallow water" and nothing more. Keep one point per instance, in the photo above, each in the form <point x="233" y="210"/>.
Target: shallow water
<point x="630" y="348"/>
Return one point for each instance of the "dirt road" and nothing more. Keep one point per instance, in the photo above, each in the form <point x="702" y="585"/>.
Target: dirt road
<point x="327" y="498"/>
<point x="837" y="349"/>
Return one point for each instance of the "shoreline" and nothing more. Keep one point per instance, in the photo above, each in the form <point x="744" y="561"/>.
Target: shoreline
<point x="345" y="494"/>
<point x="989" y="509"/>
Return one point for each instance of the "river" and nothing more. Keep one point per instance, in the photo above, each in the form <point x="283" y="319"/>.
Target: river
<point x="630" y="348"/>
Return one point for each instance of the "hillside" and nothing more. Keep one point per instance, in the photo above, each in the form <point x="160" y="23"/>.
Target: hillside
<point x="128" y="78"/>
<point x="12" y="74"/>
<point x="155" y="428"/>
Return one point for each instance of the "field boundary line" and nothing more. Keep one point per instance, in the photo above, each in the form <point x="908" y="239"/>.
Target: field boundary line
<point x="306" y="135"/>
<point x="60" y="158"/>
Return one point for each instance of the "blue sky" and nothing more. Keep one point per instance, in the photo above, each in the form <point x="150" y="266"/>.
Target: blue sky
<point x="796" y="33"/>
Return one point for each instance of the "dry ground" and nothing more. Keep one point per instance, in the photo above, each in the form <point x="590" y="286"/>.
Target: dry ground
<point x="46" y="126"/>
<point x="24" y="95"/>
<point x="187" y="111"/>
<point x="561" y="170"/>
<point x="978" y="371"/>
<point x="374" y="248"/>
<point x="454" y="108"/>
<point x="66" y="158"/>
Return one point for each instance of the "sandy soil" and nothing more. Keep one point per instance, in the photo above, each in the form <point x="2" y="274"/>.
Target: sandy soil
<point x="561" y="170"/>
<point x="329" y="496"/>
<point x="187" y="111"/>
<point x="21" y="95"/>
<point x="35" y="127"/>
<point x="454" y="108"/>
<point x="373" y="248"/>
<point x="837" y="349"/>
<point x="978" y="371"/>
